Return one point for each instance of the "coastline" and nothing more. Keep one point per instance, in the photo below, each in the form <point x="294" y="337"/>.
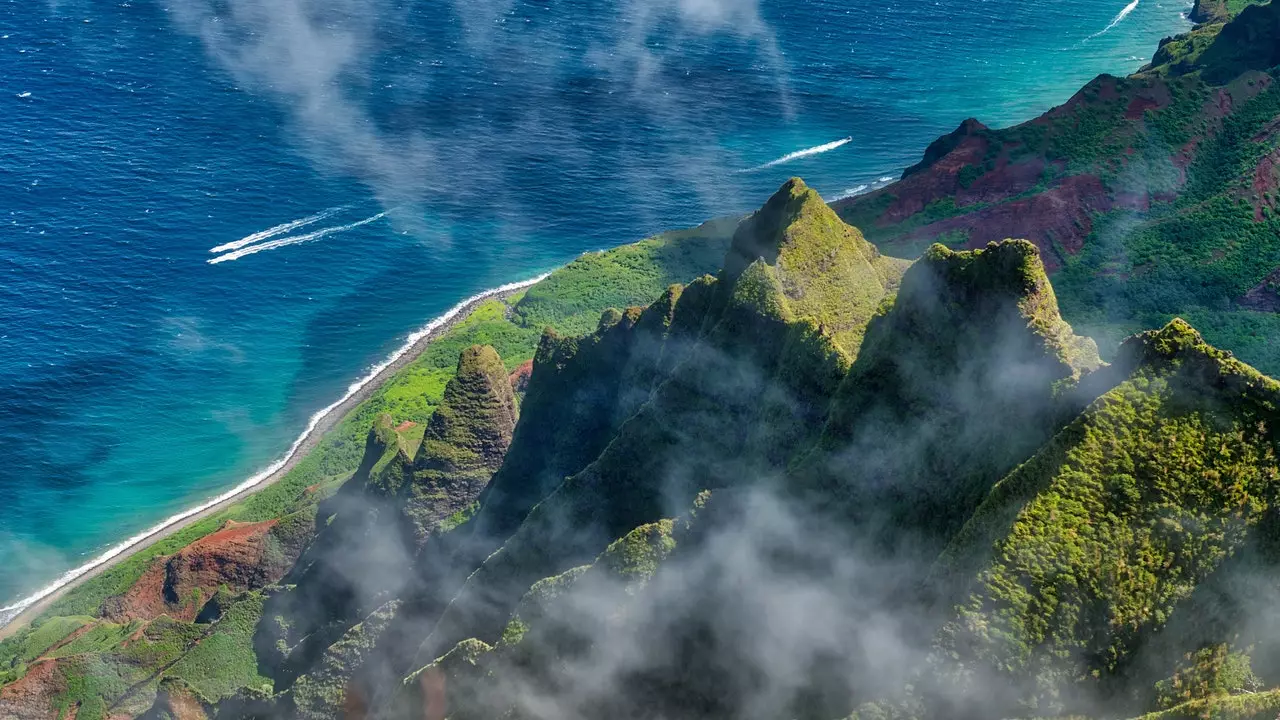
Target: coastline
<point x="29" y="608"/>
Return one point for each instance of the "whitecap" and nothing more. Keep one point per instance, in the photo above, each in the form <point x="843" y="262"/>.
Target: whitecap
<point x="851" y="192"/>
<point x="864" y="188"/>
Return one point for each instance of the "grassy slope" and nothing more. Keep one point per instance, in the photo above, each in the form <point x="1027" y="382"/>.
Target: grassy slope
<point x="224" y="661"/>
<point x="112" y="669"/>
<point x="630" y="275"/>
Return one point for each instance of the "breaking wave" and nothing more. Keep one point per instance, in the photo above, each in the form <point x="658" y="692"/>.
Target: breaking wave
<point x="864" y="188"/>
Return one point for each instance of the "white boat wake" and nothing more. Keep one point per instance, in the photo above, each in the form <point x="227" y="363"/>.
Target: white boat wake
<point x="293" y="240"/>
<point x="277" y="230"/>
<point x="815" y="150"/>
<point x="1116" y="21"/>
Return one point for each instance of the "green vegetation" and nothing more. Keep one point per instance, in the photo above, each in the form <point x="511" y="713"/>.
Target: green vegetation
<point x="100" y="638"/>
<point x="571" y="300"/>
<point x="1209" y="672"/>
<point x="1260" y="706"/>
<point x="638" y="554"/>
<point x="1226" y="159"/>
<point x="824" y="268"/>
<point x="1218" y="11"/>
<point x="464" y="442"/>
<point x="1089" y="133"/>
<point x="319" y="693"/>
<point x="224" y="660"/>
<point x="21" y="649"/>
<point x="1099" y="537"/>
<point x="114" y="669"/>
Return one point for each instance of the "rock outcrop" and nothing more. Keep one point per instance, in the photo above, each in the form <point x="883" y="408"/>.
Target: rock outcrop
<point x="239" y="557"/>
<point x="465" y="442"/>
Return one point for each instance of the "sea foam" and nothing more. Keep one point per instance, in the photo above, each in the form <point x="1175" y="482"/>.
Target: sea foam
<point x="864" y="188"/>
<point x="9" y="612"/>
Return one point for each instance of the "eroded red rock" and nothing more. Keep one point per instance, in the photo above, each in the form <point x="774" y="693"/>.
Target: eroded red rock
<point x="520" y="376"/>
<point x="242" y="556"/>
<point x="31" y="696"/>
<point x="1061" y="216"/>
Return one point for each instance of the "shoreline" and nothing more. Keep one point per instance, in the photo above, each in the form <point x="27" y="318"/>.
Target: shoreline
<point x="27" y="609"/>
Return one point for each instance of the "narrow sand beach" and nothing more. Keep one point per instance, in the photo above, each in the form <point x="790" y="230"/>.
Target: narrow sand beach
<point x="324" y="422"/>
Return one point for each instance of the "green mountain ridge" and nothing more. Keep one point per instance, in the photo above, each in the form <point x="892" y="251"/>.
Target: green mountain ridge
<point x="788" y="474"/>
<point x="1149" y="197"/>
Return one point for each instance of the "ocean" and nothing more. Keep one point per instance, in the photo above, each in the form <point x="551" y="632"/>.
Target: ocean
<point x="222" y="212"/>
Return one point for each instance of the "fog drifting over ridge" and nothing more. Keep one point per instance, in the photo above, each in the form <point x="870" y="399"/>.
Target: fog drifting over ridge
<point x="405" y="98"/>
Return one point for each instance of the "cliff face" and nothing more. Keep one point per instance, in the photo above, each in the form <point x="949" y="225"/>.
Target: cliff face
<point x="790" y="257"/>
<point x="464" y="443"/>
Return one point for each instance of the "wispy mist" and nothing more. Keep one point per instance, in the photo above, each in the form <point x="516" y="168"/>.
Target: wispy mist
<point x="447" y="109"/>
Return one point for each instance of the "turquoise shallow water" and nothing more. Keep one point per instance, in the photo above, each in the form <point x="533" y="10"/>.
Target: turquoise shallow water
<point x="500" y="138"/>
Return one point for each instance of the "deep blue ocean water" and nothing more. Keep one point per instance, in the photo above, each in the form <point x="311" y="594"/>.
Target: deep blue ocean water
<point x="501" y="137"/>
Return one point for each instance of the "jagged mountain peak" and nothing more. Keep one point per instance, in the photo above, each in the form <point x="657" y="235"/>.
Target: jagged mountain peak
<point x="465" y="441"/>
<point x="824" y="267"/>
<point x="386" y="458"/>
<point x="1178" y="348"/>
<point x="971" y="290"/>
<point x="966" y="370"/>
<point x="763" y="234"/>
<point x="476" y="417"/>
<point x="1249" y="40"/>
